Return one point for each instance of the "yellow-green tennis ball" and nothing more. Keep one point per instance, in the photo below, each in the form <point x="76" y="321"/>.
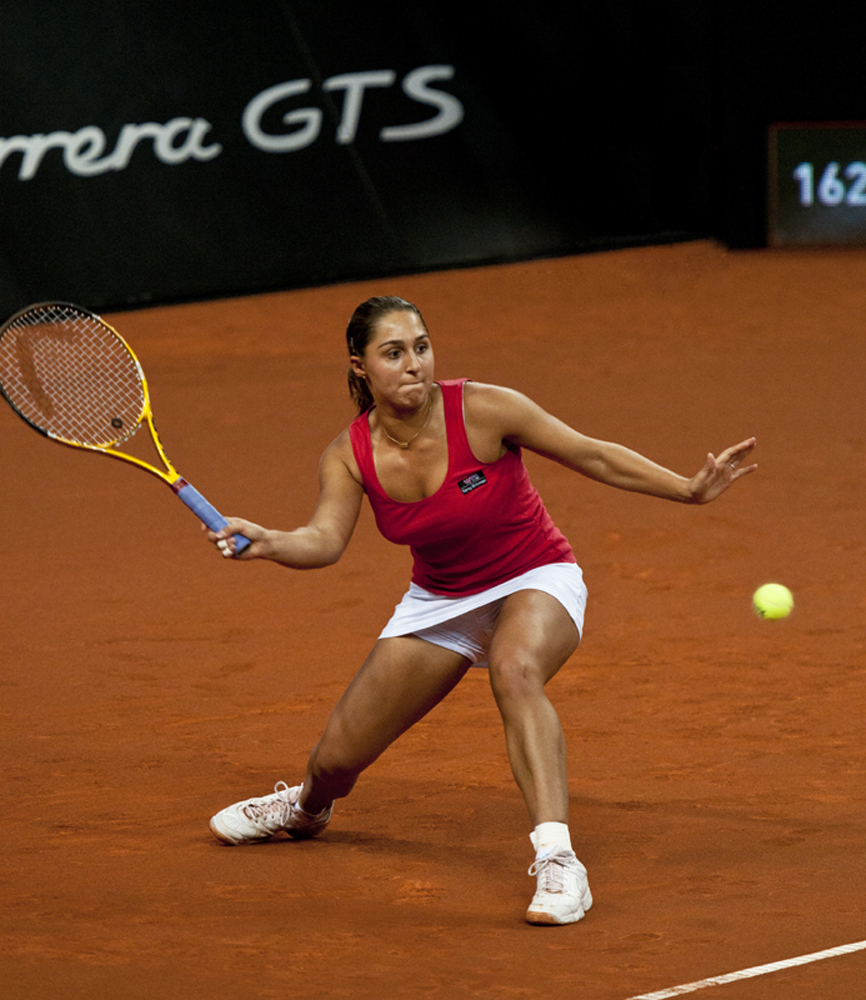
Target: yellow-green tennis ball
<point x="773" y="601"/>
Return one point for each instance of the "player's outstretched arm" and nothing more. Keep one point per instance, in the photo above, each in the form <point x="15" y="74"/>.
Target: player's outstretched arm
<point x="618" y="466"/>
<point x="323" y="540"/>
<point x="521" y="421"/>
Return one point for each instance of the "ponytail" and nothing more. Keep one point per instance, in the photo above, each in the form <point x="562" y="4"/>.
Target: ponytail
<point x="360" y="392"/>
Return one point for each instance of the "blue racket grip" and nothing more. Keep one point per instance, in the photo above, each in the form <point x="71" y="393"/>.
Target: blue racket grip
<point x="206" y="511"/>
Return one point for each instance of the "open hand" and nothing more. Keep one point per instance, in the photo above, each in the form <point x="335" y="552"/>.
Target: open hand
<point x="718" y="473"/>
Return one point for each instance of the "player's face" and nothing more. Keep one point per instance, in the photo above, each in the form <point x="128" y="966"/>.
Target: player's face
<point x="398" y="361"/>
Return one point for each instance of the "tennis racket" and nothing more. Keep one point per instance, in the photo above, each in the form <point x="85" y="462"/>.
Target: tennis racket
<point x="73" y="378"/>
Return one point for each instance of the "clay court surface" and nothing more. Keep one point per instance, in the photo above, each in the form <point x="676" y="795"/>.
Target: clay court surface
<point x="716" y="760"/>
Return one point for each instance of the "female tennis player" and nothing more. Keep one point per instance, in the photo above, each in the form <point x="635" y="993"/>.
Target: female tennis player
<point x="494" y="581"/>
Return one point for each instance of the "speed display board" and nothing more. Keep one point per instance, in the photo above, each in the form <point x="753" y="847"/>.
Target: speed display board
<point x="817" y="184"/>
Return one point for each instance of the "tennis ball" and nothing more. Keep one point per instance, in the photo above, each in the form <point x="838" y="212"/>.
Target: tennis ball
<point x="773" y="601"/>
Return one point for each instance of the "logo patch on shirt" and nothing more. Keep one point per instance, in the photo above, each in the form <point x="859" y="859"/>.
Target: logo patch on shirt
<point x="472" y="482"/>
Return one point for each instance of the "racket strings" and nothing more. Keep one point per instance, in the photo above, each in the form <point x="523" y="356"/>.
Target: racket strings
<point x="71" y="376"/>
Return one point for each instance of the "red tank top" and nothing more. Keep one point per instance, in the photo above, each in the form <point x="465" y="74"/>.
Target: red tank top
<point x="486" y="524"/>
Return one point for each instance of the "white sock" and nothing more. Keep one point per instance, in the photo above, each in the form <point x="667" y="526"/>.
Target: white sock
<point x="547" y="837"/>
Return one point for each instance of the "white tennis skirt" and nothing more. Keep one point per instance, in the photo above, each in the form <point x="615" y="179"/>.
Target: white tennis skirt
<point x="465" y="624"/>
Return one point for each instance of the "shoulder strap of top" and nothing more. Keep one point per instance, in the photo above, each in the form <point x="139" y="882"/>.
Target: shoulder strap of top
<point x="362" y="446"/>
<point x="452" y="402"/>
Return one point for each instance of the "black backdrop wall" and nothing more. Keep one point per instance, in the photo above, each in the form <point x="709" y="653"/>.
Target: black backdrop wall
<point x="155" y="151"/>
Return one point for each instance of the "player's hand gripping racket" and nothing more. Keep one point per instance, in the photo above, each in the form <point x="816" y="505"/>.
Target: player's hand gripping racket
<point x="75" y="379"/>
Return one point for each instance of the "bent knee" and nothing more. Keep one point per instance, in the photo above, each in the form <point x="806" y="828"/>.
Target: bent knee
<point x="515" y="676"/>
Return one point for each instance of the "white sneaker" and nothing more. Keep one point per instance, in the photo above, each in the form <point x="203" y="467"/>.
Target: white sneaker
<point x="255" y="820"/>
<point x="563" y="895"/>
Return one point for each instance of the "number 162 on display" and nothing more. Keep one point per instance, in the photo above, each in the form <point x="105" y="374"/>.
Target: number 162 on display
<point x="836" y="184"/>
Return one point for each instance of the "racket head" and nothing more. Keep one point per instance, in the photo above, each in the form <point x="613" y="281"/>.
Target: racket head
<point x="71" y="376"/>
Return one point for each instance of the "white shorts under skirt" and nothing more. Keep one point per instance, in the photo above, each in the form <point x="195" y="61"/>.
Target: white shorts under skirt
<point x="465" y="624"/>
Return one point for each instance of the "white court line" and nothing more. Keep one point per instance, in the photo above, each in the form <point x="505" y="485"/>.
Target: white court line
<point x="758" y="970"/>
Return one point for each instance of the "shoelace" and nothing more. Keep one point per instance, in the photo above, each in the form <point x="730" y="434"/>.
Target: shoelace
<point x="275" y="807"/>
<point x="554" y="870"/>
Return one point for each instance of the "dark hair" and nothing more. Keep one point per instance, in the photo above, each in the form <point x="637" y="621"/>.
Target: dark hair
<point x="361" y="327"/>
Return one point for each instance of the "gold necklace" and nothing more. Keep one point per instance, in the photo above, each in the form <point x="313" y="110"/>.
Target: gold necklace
<point x="405" y="444"/>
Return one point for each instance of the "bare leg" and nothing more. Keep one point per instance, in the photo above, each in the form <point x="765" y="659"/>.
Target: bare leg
<point x="533" y="637"/>
<point x="400" y="682"/>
